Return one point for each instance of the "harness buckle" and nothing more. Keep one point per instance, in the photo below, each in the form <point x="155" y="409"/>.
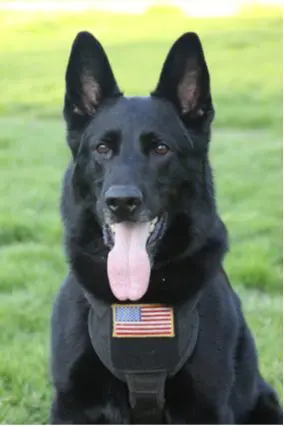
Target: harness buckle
<point x="146" y="396"/>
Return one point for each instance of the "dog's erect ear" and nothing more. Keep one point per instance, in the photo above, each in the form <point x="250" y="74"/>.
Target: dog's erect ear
<point x="185" y="80"/>
<point x="89" y="78"/>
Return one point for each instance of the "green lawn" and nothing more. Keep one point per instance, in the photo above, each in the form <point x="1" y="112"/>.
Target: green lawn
<point x="245" y="58"/>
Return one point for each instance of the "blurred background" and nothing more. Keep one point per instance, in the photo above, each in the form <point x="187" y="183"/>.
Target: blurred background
<point x="243" y="46"/>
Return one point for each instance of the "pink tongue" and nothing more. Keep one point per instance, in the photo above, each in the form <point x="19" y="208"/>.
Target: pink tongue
<point x="128" y="264"/>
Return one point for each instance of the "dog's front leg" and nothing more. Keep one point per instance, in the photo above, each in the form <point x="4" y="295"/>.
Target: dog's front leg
<point x="85" y="392"/>
<point x="70" y="409"/>
<point x="66" y="409"/>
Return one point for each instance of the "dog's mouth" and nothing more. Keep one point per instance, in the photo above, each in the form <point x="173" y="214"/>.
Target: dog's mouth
<point x="132" y="247"/>
<point x="156" y="230"/>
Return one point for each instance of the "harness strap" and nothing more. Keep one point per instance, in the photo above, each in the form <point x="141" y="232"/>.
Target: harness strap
<point x="144" y="363"/>
<point x="146" y="396"/>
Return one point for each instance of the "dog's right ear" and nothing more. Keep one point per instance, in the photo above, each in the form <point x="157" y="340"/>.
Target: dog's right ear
<point x="89" y="80"/>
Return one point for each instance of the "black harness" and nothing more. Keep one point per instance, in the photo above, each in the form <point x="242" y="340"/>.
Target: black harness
<point x="143" y="345"/>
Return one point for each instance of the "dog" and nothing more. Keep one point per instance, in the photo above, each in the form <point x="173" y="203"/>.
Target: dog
<point x="141" y="227"/>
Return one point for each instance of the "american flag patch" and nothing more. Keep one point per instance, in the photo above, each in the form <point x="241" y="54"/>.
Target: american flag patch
<point x="142" y="321"/>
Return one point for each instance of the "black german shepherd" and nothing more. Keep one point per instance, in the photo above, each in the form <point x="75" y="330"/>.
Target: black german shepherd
<point x="141" y="224"/>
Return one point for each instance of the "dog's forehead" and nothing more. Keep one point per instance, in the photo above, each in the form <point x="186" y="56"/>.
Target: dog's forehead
<point x="136" y="113"/>
<point x="141" y="105"/>
<point x="146" y="105"/>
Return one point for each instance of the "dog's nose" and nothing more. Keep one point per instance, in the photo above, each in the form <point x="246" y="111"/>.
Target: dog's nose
<point x="123" y="200"/>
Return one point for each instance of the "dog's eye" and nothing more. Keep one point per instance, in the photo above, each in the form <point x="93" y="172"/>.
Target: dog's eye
<point x="102" y="148"/>
<point x="161" y="149"/>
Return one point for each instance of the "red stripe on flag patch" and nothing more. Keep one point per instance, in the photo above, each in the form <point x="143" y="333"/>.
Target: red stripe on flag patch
<point x="142" y="321"/>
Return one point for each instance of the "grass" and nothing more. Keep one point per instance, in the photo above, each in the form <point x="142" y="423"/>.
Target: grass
<point x="244" y="55"/>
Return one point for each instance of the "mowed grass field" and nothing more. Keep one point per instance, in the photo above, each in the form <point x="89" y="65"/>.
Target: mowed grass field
<point x="245" y="58"/>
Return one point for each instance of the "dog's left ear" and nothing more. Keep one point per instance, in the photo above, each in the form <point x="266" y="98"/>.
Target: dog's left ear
<point x="185" y="81"/>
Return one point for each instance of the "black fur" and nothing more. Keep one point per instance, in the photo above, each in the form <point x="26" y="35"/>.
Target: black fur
<point x="221" y="383"/>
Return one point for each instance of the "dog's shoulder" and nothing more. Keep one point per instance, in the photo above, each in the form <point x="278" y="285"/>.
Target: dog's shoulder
<point x="219" y="306"/>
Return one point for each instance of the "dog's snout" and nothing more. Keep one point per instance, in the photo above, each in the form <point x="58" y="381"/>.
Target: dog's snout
<point x="123" y="200"/>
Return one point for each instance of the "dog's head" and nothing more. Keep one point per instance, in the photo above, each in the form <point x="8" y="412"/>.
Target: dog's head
<point x="140" y="164"/>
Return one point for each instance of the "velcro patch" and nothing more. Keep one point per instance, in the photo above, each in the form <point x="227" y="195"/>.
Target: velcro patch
<point x="142" y="320"/>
